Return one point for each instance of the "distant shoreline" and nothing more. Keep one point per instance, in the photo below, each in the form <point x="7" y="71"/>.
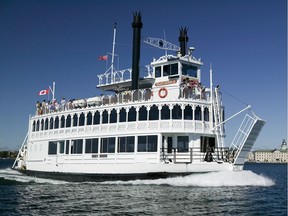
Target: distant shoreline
<point x="8" y="154"/>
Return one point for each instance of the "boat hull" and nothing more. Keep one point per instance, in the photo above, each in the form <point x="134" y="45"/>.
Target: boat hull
<point x="159" y="171"/>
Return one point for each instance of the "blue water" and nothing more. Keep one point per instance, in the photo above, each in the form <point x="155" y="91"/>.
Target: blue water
<point x="261" y="189"/>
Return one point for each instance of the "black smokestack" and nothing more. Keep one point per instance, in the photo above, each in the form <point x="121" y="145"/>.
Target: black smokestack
<point x="183" y="39"/>
<point x="137" y="25"/>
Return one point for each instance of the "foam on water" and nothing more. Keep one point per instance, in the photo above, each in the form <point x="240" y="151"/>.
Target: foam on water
<point x="13" y="175"/>
<point x="215" y="179"/>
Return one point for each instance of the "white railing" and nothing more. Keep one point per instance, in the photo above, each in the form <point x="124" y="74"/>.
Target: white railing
<point x="185" y="126"/>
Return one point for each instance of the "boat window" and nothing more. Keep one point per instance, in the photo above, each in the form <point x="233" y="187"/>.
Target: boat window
<point x="56" y="122"/>
<point x="91" y="145"/>
<point x="52" y="148"/>
<point x="198" y="115"/>
<point x="177" y="112"/>
<point x="123" y="115"/>
<point x="96" y="118"/>
<point x="105" y="117"/>
<point x="147" y="143"/>
<point x="46" y="124"/>
<point x="77" y="146"/>
<point x="89" y="118"/>
<point x="188" y="113"/>
<point x="189" y="70"/>
<point x="37" y="125"/>
<point x="62" y="124"/>
<point x="81" y="119"/>
<point x="142" y="113"/>
<point x="107" y="145"/>
<point x="67" y="147"/>
<point x="206" y="114"/>
<point x="42" y="124"/>
<point x="51" y="123"/>
<point x="170" y="69"/>
<point x="126" y="144"/>
<point x="154" y="113"/>
<point x="207" y="144"/>
<point x="68" y="121"/>
<point x="75" y="120"/>
<point x="132" y="114"/>
<point x="61" y="147"/>
<point x="165" y="112"/>
<point x="34" y="126"/>
<point x="182" y="143"/>
<point x="113" y="116"/>
<point x="158" y="71"/>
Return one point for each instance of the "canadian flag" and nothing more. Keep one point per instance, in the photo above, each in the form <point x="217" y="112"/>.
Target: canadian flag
<point x="105" y="57"/>
<point x="43" y="92"/>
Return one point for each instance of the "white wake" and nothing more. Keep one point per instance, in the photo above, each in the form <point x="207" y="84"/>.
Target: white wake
<point x="215" y="179"/>
<point x="13" y="175"/>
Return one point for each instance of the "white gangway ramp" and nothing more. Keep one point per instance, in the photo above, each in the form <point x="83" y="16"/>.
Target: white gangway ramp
<point x="245" y="138"/>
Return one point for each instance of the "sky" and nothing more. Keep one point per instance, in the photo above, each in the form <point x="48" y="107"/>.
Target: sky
<point x="42" y="41"/>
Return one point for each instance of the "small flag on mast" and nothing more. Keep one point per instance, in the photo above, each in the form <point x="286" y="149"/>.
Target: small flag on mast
<point x="105" y="58"/>
<point x="43" y="92"/>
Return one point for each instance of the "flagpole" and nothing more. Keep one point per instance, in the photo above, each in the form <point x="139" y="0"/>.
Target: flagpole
<point x="53" y="93"/>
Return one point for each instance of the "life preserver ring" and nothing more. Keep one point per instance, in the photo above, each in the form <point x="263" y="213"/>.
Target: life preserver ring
<point x="162" y="92"/>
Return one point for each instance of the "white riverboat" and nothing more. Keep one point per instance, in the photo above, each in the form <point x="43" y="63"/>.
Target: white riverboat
<point x="163" y="124"/>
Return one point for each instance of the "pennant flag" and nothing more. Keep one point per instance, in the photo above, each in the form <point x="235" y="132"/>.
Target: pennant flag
<point x="43" y="92"/>
<point x="105" y="58"/>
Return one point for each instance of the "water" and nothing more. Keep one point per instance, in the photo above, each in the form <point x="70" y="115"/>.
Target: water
<point x="261" y="189"/>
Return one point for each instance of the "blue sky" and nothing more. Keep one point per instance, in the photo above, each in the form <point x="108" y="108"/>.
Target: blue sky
<point x="43" y="41"/>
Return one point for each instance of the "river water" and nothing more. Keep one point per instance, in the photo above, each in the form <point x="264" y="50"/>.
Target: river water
<point x="261" y="189"/>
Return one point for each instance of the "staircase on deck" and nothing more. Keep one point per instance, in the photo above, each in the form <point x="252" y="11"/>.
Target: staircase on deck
<point x="245" y="138"/>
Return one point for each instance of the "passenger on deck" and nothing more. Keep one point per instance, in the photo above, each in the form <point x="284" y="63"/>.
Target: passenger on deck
<point x="62" y="104"/>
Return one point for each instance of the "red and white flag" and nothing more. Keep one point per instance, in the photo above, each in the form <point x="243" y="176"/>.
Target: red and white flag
<point x="105" y="58"/>
<point x="43" y="92"/>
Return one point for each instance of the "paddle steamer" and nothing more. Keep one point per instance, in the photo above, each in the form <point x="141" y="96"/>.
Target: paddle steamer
<point x="162" y="124"/>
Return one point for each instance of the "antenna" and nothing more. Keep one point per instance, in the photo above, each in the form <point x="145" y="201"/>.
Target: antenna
<point x="113" y="49"/>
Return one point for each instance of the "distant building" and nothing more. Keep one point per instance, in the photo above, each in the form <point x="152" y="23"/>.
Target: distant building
<point x="270" y="155"/>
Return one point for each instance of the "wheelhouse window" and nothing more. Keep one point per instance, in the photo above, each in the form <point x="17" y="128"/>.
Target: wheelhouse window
<point x="171" y="69"/>
<point x="52" y="148"/>
<point x="77" y="146"/>
<point x="147" y="143"/>
<point x="206" y="114"/>
<point x="182" y="143"/>
<point x="91" y="145"/>
<point x="158" y="71"/>
<point x="42" y="124"/>
<point x="126" y="144"/>
<point x="189" y="70"/>
<point x="107" y="145"/>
